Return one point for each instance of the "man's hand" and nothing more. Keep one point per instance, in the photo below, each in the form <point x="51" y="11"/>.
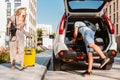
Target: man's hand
<point x="73" y="41"/>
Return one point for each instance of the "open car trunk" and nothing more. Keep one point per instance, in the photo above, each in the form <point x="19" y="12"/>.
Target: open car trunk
<point x="101" y="35"/>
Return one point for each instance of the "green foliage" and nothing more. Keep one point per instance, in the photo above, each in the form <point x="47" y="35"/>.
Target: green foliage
<point x="38" y="51"/>
<point x="54" y="34"/>
<point x="4" y="57"/>
<point x="39" y="32"/>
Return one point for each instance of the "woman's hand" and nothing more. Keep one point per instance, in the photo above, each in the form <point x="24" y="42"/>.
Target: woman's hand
<point x="29" y="36"/>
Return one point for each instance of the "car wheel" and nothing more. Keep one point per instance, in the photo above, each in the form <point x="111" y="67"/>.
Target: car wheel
<point x="56" y="63"/>
<point x="108" y="66"/>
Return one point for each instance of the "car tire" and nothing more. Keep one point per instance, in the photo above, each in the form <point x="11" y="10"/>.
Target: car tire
<point x="56" y="63"/>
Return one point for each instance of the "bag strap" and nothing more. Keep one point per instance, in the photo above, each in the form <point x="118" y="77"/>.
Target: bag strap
<point x="15" y="21"/>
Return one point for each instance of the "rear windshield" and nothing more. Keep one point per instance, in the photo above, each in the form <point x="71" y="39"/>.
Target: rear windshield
<point x="85" y="5"/>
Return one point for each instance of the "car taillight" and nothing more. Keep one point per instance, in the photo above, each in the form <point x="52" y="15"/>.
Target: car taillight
<point x="70" y="48"/>
<point x="61" y="26"/>
<point x="80" y="57"/>
<point x="61" y="53"/>
<point x="113" y="52"/>
<point x="110" y="25"/>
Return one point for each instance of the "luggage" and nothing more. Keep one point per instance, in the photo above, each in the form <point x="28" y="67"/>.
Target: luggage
<point x="29" y="56"/>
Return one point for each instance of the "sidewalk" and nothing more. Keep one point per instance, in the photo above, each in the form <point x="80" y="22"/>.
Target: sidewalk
<point x="31" y="73"/>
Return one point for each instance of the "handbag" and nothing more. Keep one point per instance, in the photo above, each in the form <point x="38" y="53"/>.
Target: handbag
<point x="12" y="31"/>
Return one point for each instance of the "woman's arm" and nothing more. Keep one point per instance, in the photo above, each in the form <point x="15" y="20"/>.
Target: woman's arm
<point x="26" y="33"/>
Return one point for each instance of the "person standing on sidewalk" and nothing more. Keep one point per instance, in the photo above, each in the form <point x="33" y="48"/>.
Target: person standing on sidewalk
<point x="16" y="44"/>
<point x="87" y="29"/>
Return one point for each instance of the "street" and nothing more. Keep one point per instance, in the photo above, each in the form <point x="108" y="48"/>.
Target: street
<point x="73" y="72"/>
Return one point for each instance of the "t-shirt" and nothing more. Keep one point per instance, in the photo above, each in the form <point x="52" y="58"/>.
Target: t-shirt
<point x="85" y="23"/>
<point x="90" y="25"/>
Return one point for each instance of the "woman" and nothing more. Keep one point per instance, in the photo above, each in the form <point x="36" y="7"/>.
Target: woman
<point x="17" y="42"/>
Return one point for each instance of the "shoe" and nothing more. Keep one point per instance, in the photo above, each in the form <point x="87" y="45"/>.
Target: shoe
<point x="22" y="68"/>
<point x="104" y="62"/>
<point x="87" y="73"/>
<point x="13" y="65"/>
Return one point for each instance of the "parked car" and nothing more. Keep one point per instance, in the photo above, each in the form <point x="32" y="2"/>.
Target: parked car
<point x="79" y="10"/>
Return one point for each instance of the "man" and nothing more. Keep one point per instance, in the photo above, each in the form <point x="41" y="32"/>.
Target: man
<point x="87" y="29"/>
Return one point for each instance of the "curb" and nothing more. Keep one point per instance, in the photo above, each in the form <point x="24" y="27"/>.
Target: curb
<point x="31" y="73"/>
<point x="47" y="66"/>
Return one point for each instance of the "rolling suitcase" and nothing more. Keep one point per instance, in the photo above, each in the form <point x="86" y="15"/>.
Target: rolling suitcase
<point x="29" y="56"/>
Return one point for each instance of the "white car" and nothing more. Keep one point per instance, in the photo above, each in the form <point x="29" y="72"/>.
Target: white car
<point x="78" y="10"/>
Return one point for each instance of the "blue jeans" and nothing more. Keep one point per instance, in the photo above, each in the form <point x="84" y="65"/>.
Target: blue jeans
<point x="88" y="37"/>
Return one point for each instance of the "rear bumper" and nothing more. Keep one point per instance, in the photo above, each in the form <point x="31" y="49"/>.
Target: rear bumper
<point x="67" y="55"/>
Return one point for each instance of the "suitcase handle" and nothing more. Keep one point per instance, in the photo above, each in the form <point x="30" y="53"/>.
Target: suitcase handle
<point x="29" y="43"/>
<point x="28" y="50"/>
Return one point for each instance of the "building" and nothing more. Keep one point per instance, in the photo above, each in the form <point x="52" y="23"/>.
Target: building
<point x="2" y="22"/>
<point x="112" y="10"/>
<point x="46" y="32"/>
<point x="9" y="7"/>
<point x="46" y="29"/>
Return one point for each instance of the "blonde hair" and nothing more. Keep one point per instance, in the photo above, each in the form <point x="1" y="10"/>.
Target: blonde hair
<point x="19" y="11"/>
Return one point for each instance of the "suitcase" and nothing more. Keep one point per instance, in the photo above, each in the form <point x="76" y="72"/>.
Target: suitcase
<point x="29" y="56"/>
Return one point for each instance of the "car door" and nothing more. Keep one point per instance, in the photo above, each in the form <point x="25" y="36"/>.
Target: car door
<point x="84" y="7"/>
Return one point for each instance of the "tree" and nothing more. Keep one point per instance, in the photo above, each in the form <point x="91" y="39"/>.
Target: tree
<point x="39" y="35"/>
<point x="39" y="32"/>
<point x="54" y="34"/>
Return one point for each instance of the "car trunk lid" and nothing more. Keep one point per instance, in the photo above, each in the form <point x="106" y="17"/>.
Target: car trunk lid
<point x="84" y="7"/>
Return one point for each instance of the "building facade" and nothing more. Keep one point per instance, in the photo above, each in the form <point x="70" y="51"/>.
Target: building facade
<point x="112" y="10"/>
<point x="46" y="29"/>
<point x="8" y="9"/>
<point x="2" y="22"/>
<point x="46" y="32"/>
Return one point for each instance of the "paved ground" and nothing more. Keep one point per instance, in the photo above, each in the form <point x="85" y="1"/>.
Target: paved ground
<point x="74" y="72"/>
<point x="31" y="73"/>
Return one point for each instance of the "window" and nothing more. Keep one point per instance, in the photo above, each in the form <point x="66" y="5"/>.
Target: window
<point x="8" y="12"/>
<point x="85" y="5"/>
<point x="105" y="11"/>
<point x="6" y="0"/>
<point x="8" y="5"/>
<point x="114" y="6"/>
<point x="117" y="17"/>
<point x="114" y="18"/>
<point x="16" y="5"/>
<point x="110" y="17"/>
<point x="8" y="9"/>
<point x="110" y="9"/>
<point x="116" y="29"/>
<point x="117" y="4"/>
<point x="91" y="4"/>
<point x="17" y="0"/>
